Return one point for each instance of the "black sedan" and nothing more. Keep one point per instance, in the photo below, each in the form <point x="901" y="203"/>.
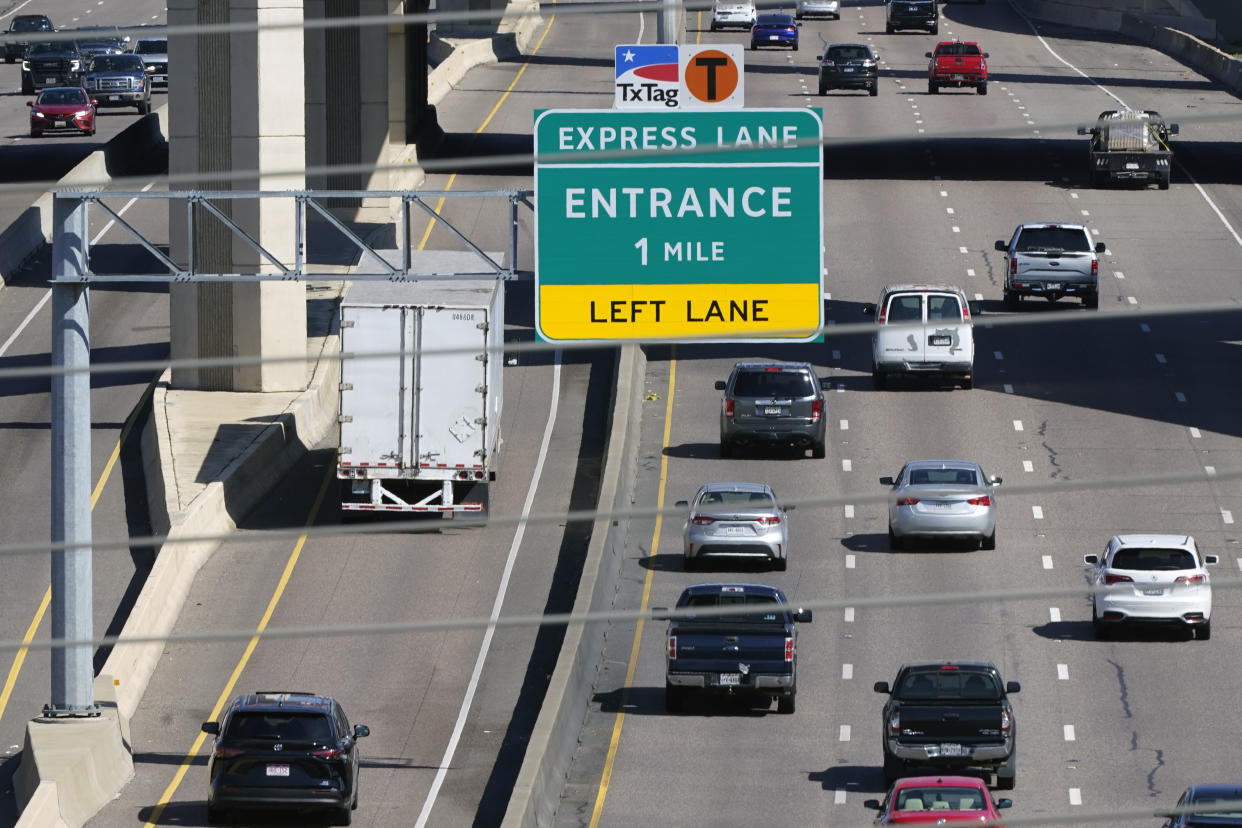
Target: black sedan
<point x="774" y="30"/>
<point x="1208" y="805"/>
<point x="848" y="66"/>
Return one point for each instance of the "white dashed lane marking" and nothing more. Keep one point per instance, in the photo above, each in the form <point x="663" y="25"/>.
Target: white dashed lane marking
<point x="838" y="796"/>
<point x="1037" y="512"/>
<point x="1118" y="274"/>
<point x="1028" y="466"/>
<point x="1195" y="434"/>
<point x="1179" y="396"/>
<point x="847" y="465"/>
<point x="845" y="425"/>
<point x="1047" y="561"/>
<point x="1075" y="796"/>
<point x="1210" y="471"/>
<point x="1008" y="389"/>
<point x="997" y="355"/>
<point x="849" y="561"/>
<point x="1054" y="615"/>
<point x="849" y="510"/>
<point x="1069" y="733"/>
<point x="1161" y="359"/>
<point x="849" y="615"/>
<point x="1063" y="672"/>
<point x="847" y="672"/>
<point x="1226" y="516"/>
<point x="845" y="733"/>
<point x="1017" y="425"/>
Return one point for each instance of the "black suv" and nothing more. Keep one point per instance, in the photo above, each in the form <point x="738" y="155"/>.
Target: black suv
<point x="911" y="14"/>
<point x="293" y="751"/>
<point x="772" y="402"/>
<point x="51" y="63"/>
<point x="848" y="66"/>
<point x="24" y="24"/>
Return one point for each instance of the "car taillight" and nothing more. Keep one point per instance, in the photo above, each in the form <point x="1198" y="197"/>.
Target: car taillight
<point x="789" y="648"/>
<point x="672" y="646"/>
<point x="768" y="520"/>
<point x="1190" y="580"/>
<point x="1095" y="267"/>
<point x="228" y="753"/>
<point x="1111" y="578"/>
<point x="729" y="408"/>
<point x="817" y="410"/>
<point x="700" y="520"/>
<point x="894" y="724"/>
<point x="907" y="501"/>
<point x="1013" y="266"/>
<point x="980" y="501"/>
<point x="328" y="753"/>
<point x="882" y="316"/>
<point x="1006" y="723"/>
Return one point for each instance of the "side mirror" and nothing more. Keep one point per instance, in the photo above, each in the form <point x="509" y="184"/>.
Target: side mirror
<point x="1085" y="130"/>
<point x="211" y="727"/>
<point x="825" y="383"/>
<point x="793" y="506"/>
<point x="986" y="55"/>
<point x="927" y="54"/>
<point x="996" y="481"/>
<point x="720" y="385"/>
<point x="659" y="613"/>
<point x="1004" y="803"/>
<point x="1172" y="129"/>
<point x="976" y="309"/>
<point x="881" y="687"/>
<point x="887" y="481"/>
<point x="869" y="309"/>
<point x="1001" y="246"/>
<point x="871" y="804"/>
<point x="1013" y="687"/>
<point x="802" y="616"/>
<point x="682" y="504"/>
<point x="1210" y="560"/>
<point x="1091" y="559"/>
<point x="29" y="103"/>
<point x="361" y="731"/>
<point x="1100" y="247"/>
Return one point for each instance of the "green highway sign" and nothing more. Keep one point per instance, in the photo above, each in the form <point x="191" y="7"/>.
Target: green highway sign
<point x="681" y="224"/>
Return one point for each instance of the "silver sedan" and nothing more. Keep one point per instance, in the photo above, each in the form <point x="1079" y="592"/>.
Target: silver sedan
<point x="942" y="499"/>
<point x="735" y="520"/>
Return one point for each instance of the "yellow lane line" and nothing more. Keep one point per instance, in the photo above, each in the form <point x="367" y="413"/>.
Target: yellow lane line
<point x="440" y="204"/>
<point x="606" y="777"/>
<point x="227" y="692"/>
<point x="19" y="659"/>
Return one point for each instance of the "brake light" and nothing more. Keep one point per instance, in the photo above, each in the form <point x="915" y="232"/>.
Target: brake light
<point x="789" y="648"/>
<point x="817" y="410"/>
<point x="948" y="666"/>
<point x="1013" y="266"/>
<point x="882" y="316"/>
<point x="672" y="647"/>
<point x="700" y="520"/>
<point x="1191" y="580"/>
<point x="965" y="313"/>
<point x="980" y="501"/>
<point x="768" y="520"/>
<point x="907" y="501"/>
<point x="228" y="753"/>
<point x="328" y="753"/>
<point x="894" y="723"/>
<point x="1111" y="578"/>
<point x="1006" y="723"/>
<point x="1095" y="267"/>
<point x="729" y="408"/>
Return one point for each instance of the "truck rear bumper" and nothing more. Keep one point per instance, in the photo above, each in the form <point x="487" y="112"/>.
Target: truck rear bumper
<point x="904" y="367"/>
<point x="711" y="682"/>
<point x="938" y="755"/>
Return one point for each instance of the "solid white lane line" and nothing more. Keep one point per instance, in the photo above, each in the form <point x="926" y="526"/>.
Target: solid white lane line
<point x="1047" y="559"/>
<point x="1054" y="615"/>
<point x="847" y="671"/>
<point x="1069" y="733"/>
<point x="1063" y="672"/>
<point x="459" y="726"/>
<point x="15" y="9"/>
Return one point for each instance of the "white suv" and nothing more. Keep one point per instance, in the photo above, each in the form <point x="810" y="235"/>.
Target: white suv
<point x="1156" y="579"/>
<point x="922" y="329"/>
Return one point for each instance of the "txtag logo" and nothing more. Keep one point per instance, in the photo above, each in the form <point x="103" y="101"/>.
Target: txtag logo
<point x="663" y="77"/>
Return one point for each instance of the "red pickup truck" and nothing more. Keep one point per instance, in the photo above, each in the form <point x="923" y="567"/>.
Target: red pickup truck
<point x="955" y="63"/>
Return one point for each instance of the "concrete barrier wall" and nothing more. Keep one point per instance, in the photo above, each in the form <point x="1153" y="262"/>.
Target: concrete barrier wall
<point x="555" y="735"/>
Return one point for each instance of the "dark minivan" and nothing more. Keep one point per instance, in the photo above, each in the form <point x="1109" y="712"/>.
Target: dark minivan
<point x="770" y="403"/>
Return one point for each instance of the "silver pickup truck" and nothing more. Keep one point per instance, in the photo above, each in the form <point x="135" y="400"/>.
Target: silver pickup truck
<point x="1051" y="260"/>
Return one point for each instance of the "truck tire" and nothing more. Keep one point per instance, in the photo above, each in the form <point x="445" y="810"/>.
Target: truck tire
<point x="1091" y="300"/>
<point x="1098" y="627"/>
<point x="982" y="88"/>
<point x="823" y="90"/>
<point x="1203" y="632"/>
<point x="968" y="382"/>
<point x="216" y="815"/>
<point x="786" y="705"/>
<point x="726" y="449"/>
<point x="343" y="816"/>
<point x="674" y="698"/>
<point x="27" y="85"/>
<point x="878" y="379"/>
<point x="935" y="29"/>
<point x="875" y="89"/>
<point x="1007" y="774"/>
<point x="689" y="564"/>
<point x="819" y="451"/>
<point x="888" y="29"/>
<point x="1164" y="182"/>
<point x="144" y="107"/>
<point x="780" y="564"/>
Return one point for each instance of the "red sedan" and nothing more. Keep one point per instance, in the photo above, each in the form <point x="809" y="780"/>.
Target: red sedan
<point x="62" y="109"/>
<point x="933" y="800"/>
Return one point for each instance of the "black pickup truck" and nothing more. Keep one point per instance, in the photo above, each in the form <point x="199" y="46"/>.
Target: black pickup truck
<point x="753" y="650"/>
<point x="949" y="715"/>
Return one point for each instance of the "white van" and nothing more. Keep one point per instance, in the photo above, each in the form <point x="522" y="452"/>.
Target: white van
<point x="729" y="13"/>
<point x="922" y="329"/>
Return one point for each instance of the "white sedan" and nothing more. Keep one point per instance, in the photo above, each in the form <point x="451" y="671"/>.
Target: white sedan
<point x="1156" y="579"/>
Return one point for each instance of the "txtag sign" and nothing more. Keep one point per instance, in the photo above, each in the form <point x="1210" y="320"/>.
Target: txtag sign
<point x="665" y="77"/>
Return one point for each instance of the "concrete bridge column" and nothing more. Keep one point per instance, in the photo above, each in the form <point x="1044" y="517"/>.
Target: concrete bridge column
<point x="238" y="106"/>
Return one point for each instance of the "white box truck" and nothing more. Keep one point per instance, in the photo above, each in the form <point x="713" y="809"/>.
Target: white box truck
<point x="420" y="425"/>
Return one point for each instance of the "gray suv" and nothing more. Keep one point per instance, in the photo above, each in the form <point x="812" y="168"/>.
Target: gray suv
<point x="772" y="402"/>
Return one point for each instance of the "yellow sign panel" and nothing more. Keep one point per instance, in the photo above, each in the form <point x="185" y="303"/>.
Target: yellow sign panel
<point x="775" y="311"/>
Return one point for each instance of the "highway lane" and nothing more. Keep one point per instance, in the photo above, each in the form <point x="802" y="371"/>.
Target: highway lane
<point x="1103" y="725"/>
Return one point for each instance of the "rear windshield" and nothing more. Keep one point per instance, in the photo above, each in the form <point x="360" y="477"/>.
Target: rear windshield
<point x="1153" y="560"/>
<point x="1052" y="239"/>
<point x="29" y="25"/>
<point x="958" y="49"/>
<point x="756" y="609"/>
<point x="279" y="726"/>
<point x="754" y="500"/>
<point x="774" y="20"/>
<point x="773" y="384"/>
<point x="949" y="685"/>
<point x="944" y="477"/>
<point x="848" y="53"/>
<point x="939" y="799"/>
<point x="907" y="308"/>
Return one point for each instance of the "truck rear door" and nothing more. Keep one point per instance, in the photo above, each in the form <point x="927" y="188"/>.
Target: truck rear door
<point x="375" y="405"/>
<point x="901" y="334"/>
<point x="452" y="378"/>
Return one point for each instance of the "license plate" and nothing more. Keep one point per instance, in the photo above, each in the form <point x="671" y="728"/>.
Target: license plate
<point x="735" y="530"/>
<point x="49" y="80"/>
<point x="114" y="97"/>
<point x="940" y="340"/>
<point x="58" y="123"/>
<point x="1132" y="166"/>
<point x="730" y="679"/>
<point x="1153" y="592"/>
<point x="277" y="770"/>
<point x="848" y="69"/>
<point x="773" y="411"/>
<point x="944" y="504"/>
<point x="958" y="77"/>
<point x="774" y="37"/>
<point x="1053" y="286"/>
<point x="950" y="749"/>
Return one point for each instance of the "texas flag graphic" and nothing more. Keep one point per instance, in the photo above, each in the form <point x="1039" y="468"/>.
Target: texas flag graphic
<point x="647" y="77"/>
